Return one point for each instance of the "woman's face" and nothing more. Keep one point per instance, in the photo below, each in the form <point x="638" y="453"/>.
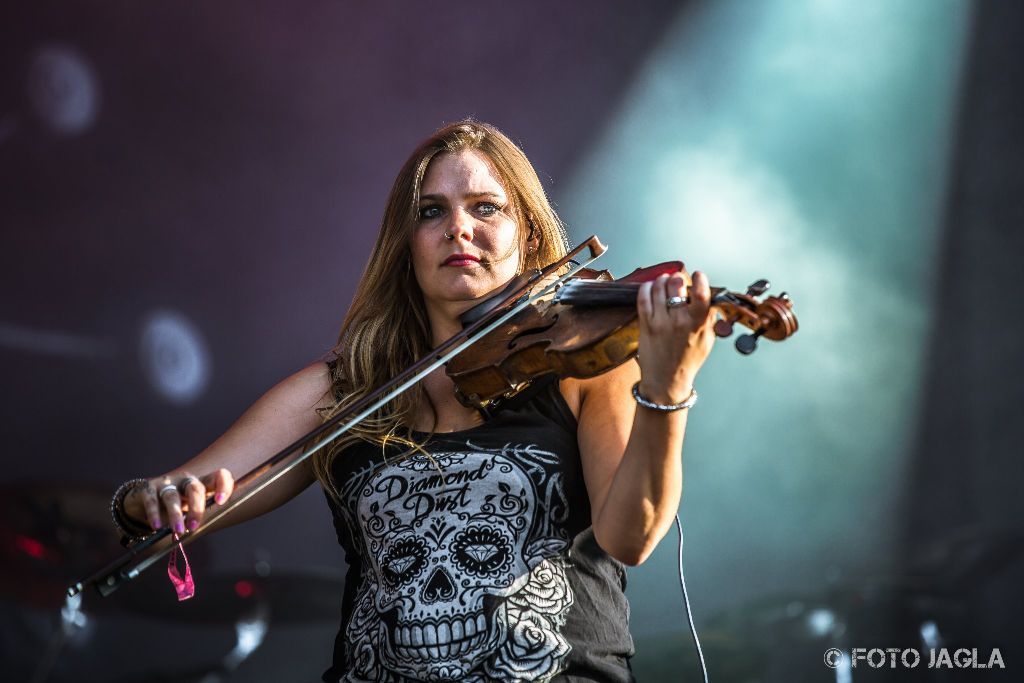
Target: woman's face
<point x="461" y="196"/>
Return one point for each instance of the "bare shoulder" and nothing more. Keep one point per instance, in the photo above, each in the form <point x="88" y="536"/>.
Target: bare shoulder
<point x="609" y="388"/>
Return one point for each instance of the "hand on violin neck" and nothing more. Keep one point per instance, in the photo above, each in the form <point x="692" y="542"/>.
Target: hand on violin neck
<point x="676" y="334"/>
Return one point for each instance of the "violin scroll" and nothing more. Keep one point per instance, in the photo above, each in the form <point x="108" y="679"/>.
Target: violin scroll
<point x="772" y="318"/>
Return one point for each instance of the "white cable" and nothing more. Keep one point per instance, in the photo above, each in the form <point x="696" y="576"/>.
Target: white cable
<point x="686" y="603"/>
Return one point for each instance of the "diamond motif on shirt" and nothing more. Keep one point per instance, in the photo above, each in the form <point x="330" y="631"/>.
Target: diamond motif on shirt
<point x="400" y="564"/>
<point x="480" y="551"/>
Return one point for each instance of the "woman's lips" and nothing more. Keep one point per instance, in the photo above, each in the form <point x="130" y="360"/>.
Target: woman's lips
<point x="461" y="260"/>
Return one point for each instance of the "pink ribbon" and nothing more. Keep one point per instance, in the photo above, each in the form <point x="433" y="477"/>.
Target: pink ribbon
<point x="183" y="585"/>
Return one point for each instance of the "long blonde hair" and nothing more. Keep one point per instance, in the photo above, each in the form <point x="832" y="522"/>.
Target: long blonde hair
<point x="386" y="329"/>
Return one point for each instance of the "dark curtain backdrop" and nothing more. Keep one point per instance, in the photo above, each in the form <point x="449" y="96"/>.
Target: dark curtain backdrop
<point x="964" y="521"/>
<point x="236" y="171"/>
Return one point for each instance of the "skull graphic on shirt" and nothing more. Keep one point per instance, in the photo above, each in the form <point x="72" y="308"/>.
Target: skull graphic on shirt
<point x="449" y="538"/>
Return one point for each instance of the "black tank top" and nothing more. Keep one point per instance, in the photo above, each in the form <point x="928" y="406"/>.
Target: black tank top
<point x="478" y="562"/>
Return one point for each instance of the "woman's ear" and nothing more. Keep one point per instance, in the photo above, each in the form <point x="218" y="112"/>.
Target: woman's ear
<point x="532" y="240"/>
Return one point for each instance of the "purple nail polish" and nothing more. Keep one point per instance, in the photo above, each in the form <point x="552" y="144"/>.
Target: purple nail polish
<point x="155" y="523"/>
<point x="179" y="527"/>
<point x="220" y="497"/>
<point x="193" y="524"/>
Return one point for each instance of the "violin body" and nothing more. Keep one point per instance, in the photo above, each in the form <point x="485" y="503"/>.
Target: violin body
<point x="547" y="337"/>
<point x="589" y="327"/>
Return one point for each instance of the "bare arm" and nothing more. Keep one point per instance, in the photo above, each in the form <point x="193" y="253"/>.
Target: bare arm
<point x="632" y="456"/>
<point x="279" y="417"/>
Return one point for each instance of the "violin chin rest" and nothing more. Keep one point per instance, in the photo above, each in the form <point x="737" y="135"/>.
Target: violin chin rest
<point x="491" y="303"/>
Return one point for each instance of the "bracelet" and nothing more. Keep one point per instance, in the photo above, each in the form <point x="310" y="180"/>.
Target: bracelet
<point x="130" y="529"/>
<point x="690" y="401"/>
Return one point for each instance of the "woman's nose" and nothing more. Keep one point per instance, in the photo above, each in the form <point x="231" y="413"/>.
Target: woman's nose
<point x="461" y="224"/>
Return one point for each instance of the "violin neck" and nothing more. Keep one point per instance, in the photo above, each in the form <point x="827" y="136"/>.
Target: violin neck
<point x="598" y="293"/>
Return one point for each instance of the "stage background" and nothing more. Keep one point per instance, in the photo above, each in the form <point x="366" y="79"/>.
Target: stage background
<point x="189" y="192"/>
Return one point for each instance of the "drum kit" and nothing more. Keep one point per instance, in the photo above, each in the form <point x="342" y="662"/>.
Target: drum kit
<point x="49" y="535"/>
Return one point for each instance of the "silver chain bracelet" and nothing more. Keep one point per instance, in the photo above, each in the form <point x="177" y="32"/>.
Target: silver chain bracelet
<point x="690" y="401"/>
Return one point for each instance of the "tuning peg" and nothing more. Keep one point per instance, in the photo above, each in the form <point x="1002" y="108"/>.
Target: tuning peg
<point x="758" y="288"/>
<point x="723" y="328"/>
<point x="747" y="343"/>
<point x="784" y="296"/>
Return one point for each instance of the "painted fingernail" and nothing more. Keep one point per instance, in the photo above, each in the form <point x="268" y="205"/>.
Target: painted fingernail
<point x="155" y="523"/>
<point x="220" y="497"/>
<point x="179" y="527"/>
<point x="193" y="524"/>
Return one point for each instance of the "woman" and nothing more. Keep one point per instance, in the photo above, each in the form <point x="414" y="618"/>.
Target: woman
<point x="478" y="549"/>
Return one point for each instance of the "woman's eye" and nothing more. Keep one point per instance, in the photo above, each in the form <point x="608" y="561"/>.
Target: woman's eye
<point x="430" y="211"/>
<point x="487" y="209"/>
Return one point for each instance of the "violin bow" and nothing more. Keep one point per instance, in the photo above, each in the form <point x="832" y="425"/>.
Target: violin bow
<point x="160" y="543"/>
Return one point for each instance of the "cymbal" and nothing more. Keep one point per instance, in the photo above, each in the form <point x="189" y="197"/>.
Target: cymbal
<point x="290" y="597"/>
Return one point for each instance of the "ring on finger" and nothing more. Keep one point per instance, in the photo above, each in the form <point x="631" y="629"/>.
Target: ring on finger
<point x="164" y="489"/>
<point x="675" y="301"/>
<point x="184" y="483"/>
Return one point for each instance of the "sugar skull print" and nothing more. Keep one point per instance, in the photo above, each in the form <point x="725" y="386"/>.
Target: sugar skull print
<point x="463" y="578"/>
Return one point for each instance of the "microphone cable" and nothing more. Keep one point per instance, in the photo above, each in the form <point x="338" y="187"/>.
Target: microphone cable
<point x="686" y="602"/>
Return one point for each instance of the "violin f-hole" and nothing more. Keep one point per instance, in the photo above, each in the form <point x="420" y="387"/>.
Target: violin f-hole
<point x="533" y="330"/>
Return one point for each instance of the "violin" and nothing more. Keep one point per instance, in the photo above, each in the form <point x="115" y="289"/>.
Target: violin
<point x="590" y="326"/>
<point x="566" y="319"/>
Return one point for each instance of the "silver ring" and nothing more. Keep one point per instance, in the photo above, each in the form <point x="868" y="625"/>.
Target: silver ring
<point x="674" y="301"/>
<point x="448" y="236"/>
<point x="165" y="489"/>
<point x="183" y="484"/>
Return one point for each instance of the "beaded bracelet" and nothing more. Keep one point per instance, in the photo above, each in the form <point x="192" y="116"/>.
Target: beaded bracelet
<point x="690" y="401"/>
<point x="130" y="529"/>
